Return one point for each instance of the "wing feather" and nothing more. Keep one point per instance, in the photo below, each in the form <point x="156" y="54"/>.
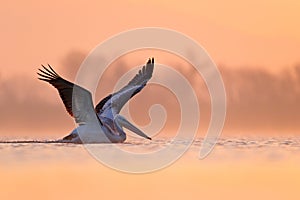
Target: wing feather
<point x="77" y="100"/>
<point x="114" y="102"/>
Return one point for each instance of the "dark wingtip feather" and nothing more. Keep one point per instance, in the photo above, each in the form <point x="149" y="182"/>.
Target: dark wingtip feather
<point x="46" y="77"/>
<point x="149" y="61"/>
<point x="54" y="72"/>
<point x="47" y="74"/>
<point x="43" y="79"/>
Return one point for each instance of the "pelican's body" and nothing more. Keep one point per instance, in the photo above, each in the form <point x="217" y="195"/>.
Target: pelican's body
<point x="102" y="124"/>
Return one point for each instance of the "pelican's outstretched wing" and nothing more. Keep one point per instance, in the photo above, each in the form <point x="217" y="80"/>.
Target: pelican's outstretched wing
<point x="81" y="108"/>
<point x="113" y="103"/>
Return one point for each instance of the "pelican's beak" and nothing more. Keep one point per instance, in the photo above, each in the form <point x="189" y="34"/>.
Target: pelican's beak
<point x="126" y="124"/>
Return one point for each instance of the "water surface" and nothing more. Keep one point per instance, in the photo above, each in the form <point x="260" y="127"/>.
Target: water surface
<point x="237" y="168"/>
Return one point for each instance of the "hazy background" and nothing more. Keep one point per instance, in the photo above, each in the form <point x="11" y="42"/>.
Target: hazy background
<point x="256" y="45"/>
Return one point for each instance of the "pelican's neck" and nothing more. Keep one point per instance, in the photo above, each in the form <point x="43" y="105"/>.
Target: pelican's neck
<point x="122" y="134"/>
<point x="113" y="130"/>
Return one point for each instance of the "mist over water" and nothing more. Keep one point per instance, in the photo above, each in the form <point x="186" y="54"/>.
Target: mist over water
<point x="258" y="100"/>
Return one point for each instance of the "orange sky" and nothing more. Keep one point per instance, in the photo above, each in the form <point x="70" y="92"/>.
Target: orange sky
<point x="236" y="33"/>
<point x="249" y="38"/>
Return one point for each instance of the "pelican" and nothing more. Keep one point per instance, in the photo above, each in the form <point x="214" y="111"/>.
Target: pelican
<point x="102" y="124"/>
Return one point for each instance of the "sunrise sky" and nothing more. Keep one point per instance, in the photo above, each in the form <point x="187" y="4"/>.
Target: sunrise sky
<point x="255" y="43"/>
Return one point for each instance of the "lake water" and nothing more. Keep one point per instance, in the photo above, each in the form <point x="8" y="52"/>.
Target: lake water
<point x="237" y="168"/>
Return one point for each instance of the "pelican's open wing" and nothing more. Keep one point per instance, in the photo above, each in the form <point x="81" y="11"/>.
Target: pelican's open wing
<point x="80" y="106"/>
<point x="113" y="103"/>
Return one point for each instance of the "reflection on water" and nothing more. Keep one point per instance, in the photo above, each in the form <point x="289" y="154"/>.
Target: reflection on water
<point x="226" y="149"/>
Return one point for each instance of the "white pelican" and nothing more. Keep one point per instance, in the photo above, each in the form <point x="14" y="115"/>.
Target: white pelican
<point x="108" y="127"/>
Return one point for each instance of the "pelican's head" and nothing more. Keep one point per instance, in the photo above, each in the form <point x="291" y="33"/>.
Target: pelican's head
<point x="123" y="122"/>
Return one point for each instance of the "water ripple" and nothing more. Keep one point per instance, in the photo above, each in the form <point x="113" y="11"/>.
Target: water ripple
<point x="229" y="148"/>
